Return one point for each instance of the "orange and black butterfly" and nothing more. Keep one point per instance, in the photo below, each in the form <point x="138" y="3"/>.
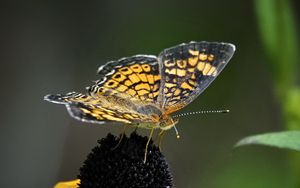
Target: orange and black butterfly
<point x="144" y="90"/>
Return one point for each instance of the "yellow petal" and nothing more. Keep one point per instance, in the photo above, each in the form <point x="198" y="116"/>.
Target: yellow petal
<point x="68" y="184"/>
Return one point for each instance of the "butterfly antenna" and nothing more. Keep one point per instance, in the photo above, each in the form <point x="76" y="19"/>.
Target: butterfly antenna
<point x="200" y="112"/>
<point x="177" y="134"/>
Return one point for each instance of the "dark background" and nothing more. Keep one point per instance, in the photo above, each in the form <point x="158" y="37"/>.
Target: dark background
<point x="57" y="46"/>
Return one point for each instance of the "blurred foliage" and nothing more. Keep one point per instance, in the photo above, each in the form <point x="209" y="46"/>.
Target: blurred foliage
<point x="278" y="32"/>
<point x="243" y="172"/>
<point x="285" y="139"/>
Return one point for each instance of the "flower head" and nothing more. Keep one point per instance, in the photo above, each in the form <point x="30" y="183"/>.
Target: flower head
<point x="123" y="166"/>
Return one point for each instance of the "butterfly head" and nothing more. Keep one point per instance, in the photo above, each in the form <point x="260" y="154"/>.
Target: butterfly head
<point x="167" y="122"/>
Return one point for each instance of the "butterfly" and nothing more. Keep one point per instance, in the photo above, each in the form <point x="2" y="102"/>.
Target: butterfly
<point x="144" y="90"/>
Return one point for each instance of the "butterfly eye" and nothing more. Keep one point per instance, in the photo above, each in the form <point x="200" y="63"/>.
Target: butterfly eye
<point x="162" y="124"/>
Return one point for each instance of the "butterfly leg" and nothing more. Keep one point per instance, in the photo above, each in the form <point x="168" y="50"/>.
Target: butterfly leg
<point x="122" y="136"/>
<point x="146" y="149"/>
<point x="156" y="139"/>
<point x="161" y="136"/>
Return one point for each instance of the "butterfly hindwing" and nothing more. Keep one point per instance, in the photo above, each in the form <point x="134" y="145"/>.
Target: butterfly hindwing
<point x="188" y="69"/>
<point x="97" y="110"/>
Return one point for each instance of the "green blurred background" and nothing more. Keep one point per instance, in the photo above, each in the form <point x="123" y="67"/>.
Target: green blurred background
<point x="57" y="46"/>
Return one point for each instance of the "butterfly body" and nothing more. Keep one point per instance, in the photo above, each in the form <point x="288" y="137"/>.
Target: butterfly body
<point x="145" y="90"/>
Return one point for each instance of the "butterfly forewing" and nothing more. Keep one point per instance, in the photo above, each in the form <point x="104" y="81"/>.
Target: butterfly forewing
<point x="188" y="69"/>
<point x="136" y="77"/>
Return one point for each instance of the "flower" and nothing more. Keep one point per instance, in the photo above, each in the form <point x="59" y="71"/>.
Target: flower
<point x="123" y="166"/>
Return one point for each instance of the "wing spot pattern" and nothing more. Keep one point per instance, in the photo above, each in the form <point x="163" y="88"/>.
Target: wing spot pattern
<point x="206" y="69"/>
<point x="211" y="57"/>
<point x="126" y="70"/>
<point x="134" y="78"/>
<point x="201" y="66"/>
<point x="169" y="85"/>
<point x="156" y="77"/>
<point x="177" y="92"/>
<point x="142" y="86"/>
<point x="128" y="83"/>
<point x="136" y="68"/>
<point x="143" y="77"/>
<point x="181" y="64"/>
<point x="146" y="67"/>
<point x="169" y="63"/>
<point x="112" y="84"/>
<point x="212" y="71"/>
<point x="150" y="79"/>
<point x="142" y="92"/>
<point x="119" y="77"/>
<point x="194" y="52"/>
<point x="112" y="118"/>
<point x="122" y="88"/>
<point x="185" y="85"/>
<point x="202" y="56"/>
<point x="131" y="92"/>
<point x="171" y="71"/>
<point x="193" y="61"/>
<point x="181" y="72"/>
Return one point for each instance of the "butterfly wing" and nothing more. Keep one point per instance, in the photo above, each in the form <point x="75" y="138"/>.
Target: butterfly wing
<point x="124" y="86"/>
<point x="99" y="110"/>
<point x="136" y="77"/>
<point x="188" y="69"/>
<point x="183" y="73"/>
